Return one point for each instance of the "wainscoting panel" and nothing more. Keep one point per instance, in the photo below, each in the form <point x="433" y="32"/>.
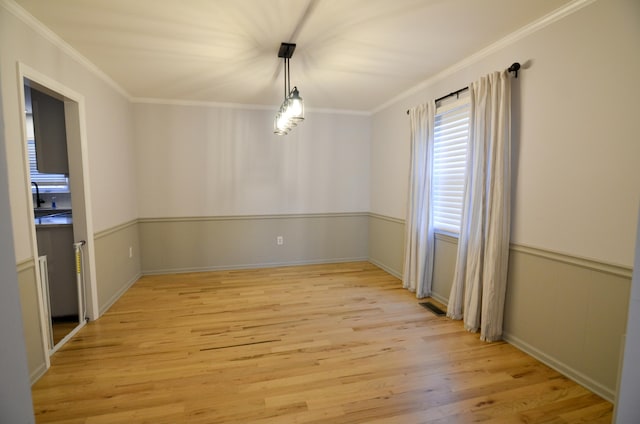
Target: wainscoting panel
<point x="171" y="245"/>
<point x="386" y="243"/>
<point x="566" y="311"/>
<point x="386" y="250"/>
<point x="31" y="319"/>
<point x="116" y="271"/>
<point x="570" y="316"/>
<point x="444" y="264"/>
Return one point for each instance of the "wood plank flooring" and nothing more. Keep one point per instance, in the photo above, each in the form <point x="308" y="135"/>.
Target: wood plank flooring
<point x="61" y="329"/>
<point x="340" y="343"/>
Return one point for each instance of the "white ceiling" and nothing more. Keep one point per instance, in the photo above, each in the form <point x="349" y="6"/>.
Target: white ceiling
<point x="351" y="54"/>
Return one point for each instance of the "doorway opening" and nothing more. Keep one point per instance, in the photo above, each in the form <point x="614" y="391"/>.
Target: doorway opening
<point x="63" y="293"/>
<point x="57" y="184"/>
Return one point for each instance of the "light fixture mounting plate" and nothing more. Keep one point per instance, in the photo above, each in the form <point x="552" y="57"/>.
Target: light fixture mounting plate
<point x="286" y="50"/>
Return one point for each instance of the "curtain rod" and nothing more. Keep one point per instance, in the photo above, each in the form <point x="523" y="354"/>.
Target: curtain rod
<point x="515" y="67"/>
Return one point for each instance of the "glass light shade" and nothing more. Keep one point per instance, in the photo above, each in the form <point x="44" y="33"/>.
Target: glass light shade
<point x="291" y="112"/>
<point x="296" y="105"/>
<point x="286" y="113"/>
<point x="278" y="128"/>
<point x="281" y="123"/>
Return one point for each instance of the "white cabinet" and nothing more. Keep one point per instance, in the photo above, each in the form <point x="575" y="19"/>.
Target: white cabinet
<point x="50" y="133"/>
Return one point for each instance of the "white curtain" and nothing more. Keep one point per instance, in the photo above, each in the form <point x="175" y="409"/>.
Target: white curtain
<point x="419" y="237"/>
<point x="483" y="247"/>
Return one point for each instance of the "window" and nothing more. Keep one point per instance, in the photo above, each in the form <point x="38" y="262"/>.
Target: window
<point x="451" y="135"/>
<point x="48" y="183"/>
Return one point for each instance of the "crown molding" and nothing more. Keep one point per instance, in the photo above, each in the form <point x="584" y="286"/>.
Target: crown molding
<point x="525" y="31"/>
<point x="240" y="106"/>
<point x="340" y="111"/>
<point x="176" y="102"/>
<point x="521" y="33"/>
<point x="44" y="31"/>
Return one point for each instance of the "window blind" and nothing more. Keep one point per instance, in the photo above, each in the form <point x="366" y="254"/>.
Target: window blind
<point x="46" y="182"/>
<point x="451" y="135"/>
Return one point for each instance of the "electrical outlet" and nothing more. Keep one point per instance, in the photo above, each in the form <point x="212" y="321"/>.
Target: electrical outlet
<point x="130" y="252"/>
<point x="279" y="240"/>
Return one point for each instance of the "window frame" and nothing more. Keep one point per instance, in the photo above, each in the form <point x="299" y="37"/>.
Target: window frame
<point x="443" y="107"/>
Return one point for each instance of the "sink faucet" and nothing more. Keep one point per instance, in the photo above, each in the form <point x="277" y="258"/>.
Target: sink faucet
<point x="39" y="201"/>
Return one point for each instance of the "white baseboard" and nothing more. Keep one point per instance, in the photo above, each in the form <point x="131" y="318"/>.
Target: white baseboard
<point x="252" y="266"/>
<point x="385" y="268"/>
<point x="37" y="373"/>
<point x="119" y="293"/>
<point x="605" y="392"/>
<point x="441" y="299"/>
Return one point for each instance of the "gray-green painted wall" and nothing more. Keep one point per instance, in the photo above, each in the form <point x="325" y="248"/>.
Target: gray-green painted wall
<point x="386" y="243"/>
<point x="31" y="320"/>
<point x="116" y="268"/>
<point x="199" y="244"/>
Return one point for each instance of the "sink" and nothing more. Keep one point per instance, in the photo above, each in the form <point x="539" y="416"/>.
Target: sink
<point x="52" y="217"/>
<point x="58" y="215"/>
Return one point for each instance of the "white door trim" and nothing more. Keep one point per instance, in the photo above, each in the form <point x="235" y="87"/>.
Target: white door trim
<point x="77" y="146"/>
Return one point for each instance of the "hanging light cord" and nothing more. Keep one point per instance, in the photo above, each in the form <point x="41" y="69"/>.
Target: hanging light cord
<point x="288" y="80"/>
<point x="292" y="109"/>
<point x="285" y="76"/>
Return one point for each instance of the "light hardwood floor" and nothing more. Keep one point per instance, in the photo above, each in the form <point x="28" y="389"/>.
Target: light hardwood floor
<point x="61" y="329"/>
<point x="341" y="343"/>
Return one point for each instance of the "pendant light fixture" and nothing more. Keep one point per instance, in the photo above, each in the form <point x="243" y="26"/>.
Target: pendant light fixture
<point x="292" y="109"/>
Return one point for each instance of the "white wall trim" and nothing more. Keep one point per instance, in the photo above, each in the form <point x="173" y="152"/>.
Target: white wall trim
<point x="200" y="103"/>
<point x="253" y="266"/>
<point x="339" y="111"/>
<point x="387" y="218"/>
<point x="240" y="106"/>
<point x="55" y="39"/>
<point x="523" y="32"/>
<point x="565" y="258"/>
<point x="562" y="368"/>
<point x="37" y="374"/>
<point x="114" y="229"/>
<point x="569" y="259"/>
<point x="253" y="217"/>
<point x="119" y="294"/>
<point x="385" y="268"/>
<point x="44" y="31"/>
<point x="441" y="299"/>
<point x="25" y="265"/>
<point x="77" y="103"/>
<point x="19" y="12"/>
